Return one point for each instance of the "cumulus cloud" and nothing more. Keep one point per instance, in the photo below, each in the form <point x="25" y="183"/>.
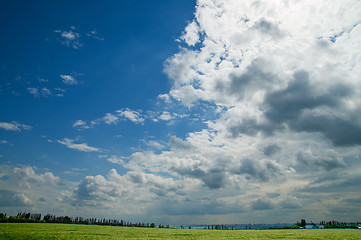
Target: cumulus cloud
<point x="110" y="119"/>
<point x="166" y="116"/>
<point x="14" y="126"/>
<point x="27" y="174"/>
<point x="133" y="186"/>
<point x="131" y="115"/>
<point x="155" y="144"/>
<point x="191" y="34"/>
<point x="328" y="161"/>
<point x="115" y="159"/>
<point x="27" y="186"/>
<point x="83" y="147"/>
<point x="10" y="198"/>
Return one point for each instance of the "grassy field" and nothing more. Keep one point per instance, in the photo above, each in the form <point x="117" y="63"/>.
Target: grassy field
<point x="61" y="231"/>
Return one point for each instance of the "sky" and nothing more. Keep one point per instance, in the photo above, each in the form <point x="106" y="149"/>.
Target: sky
<point x="181" y="112"/>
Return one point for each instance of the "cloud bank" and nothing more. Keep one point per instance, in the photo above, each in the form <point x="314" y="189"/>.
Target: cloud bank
<point x="286" y="76"/>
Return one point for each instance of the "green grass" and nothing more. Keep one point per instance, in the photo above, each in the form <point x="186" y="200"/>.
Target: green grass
<point x="62" y="231"/>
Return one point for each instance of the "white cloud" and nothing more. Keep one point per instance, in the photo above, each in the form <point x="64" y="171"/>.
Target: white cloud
<point x="155" y="144"/>
<point x="121" y="192"/>
<point x="79" y="123"/>
<point x="23" y="186"/>
<point x="34" y="91"/>
<point x="59" y="92"/>
<point x="165" y="98"/>
<point x="14" y="126"/>
<point x="131" y="115"/>
<point x="83" y="147"/>
<point x="191" y="34"/>
<point x="166" y="116"/>
<point x="70" y="38"/>
<point x="46" y="92"/>
<point x="42" y="79"/>
<point x="68" y="79"/>
<point x="110" y="119"/>
<point x="94" y="34"/>
<point x="116" y="159"/>
<point x="27" y="175"/>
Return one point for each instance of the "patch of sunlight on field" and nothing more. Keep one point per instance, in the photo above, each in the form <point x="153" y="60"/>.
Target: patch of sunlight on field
<point x="62" y="231"/>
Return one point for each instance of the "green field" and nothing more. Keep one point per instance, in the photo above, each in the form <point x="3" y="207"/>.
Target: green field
<point x="62" y="231"/>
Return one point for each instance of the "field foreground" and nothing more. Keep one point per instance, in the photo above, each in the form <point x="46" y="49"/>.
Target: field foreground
<point x="62" y="231"/>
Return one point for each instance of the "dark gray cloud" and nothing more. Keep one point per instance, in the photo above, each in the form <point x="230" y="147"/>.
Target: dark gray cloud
<point x="213" y="178"/>
<point x="262" y="204"/>
<point x="287" y="104"/>
<point x="273" y="195"/>
<point x="267" y="27"/>
<point x="178" y="144"/>
<point x="251" y="127"/>
<point x="258" y="170"/>
<point x="338" y="184"/>
<point x="342" y="132"/>
<point x="271" y="150"/>
<point x="91" y="189"/>
<point x="294" y="106"/>
<point x="328" y="162"/>
<point x="255" y="77"/>
<point x="136" y="178"/>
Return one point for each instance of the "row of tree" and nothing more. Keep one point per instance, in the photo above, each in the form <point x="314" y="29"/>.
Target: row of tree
<point x="36" y="218"/>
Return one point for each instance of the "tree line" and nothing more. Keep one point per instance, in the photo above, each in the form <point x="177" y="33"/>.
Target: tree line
<point x="49" y="218"/>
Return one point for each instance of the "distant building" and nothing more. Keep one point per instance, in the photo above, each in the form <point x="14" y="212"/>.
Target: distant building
<point x="36" y="216"/>
<point x="313" y="226"/>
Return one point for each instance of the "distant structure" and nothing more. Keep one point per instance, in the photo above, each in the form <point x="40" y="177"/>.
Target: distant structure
<point x="314" y="226"/>
<point x="35" y="216"/>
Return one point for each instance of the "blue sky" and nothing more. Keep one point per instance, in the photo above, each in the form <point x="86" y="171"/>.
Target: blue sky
<point x="115" y="53"/>
<point x="181" y="112"/>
